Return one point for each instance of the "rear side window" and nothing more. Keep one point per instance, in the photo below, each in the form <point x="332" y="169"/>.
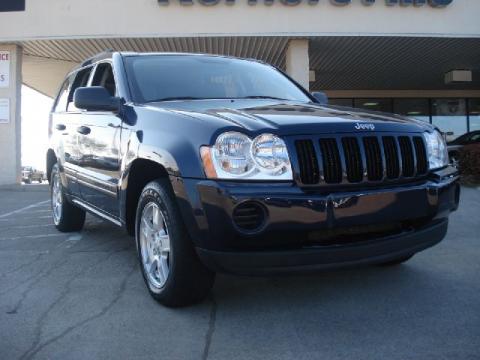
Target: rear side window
<point x="62" y="98"/>
<point x="81" y="80"/>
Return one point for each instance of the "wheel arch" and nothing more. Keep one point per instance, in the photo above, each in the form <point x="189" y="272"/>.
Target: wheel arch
<point x="140" y="172"/>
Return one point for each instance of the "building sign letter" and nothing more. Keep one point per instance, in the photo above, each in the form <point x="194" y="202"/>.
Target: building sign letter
<point x="12" y="5"/>
<point x="340" y="2"/>
<point x="432" y="3"/>
<point x="4" y="69"/>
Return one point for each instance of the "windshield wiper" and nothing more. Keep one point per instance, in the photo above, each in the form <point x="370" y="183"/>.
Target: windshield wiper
<point x="173" y="98"/>
<point x="261" y="97"/>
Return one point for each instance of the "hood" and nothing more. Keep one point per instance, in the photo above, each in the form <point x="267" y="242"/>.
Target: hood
<point x="290" y="118"/>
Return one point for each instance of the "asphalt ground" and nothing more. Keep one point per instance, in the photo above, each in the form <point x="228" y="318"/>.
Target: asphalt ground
<point x="81" y="296"/>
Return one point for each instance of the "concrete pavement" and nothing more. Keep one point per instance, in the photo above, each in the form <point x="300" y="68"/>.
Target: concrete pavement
<point x="81" y="296"/>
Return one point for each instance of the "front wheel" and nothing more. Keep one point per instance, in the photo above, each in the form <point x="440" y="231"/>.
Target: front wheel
<point x="66" y="216"/>
<point x="170" y="266"/>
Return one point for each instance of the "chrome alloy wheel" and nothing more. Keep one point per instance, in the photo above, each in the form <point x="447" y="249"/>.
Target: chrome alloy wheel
<point x="154" y="245"/>
<point x="57" y="198"/>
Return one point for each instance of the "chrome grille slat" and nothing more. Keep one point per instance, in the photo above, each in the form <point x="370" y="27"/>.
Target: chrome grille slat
<point x="421" y="154"/>
<point x="391" y="157"/>
<point x="332" y="166"/>
<point x="374" y="158"/>
<point x="408" y="158"/>
<point x="308" y="161"/>
<point x="353" y="159"/>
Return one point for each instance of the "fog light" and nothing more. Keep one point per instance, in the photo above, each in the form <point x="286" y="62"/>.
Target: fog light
<point x="249" y="216"/>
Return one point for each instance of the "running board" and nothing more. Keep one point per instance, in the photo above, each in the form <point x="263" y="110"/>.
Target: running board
<point x="94" y="211"/>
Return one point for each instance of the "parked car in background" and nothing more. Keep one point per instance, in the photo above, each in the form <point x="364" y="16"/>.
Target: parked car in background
<point x="455" y="146"/>
<point x="30" y="174"/>
<point x="218" y="164"/>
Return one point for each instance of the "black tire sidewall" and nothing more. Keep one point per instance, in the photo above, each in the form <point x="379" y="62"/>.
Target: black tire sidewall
<point x="71" y="217"/>
<point x="154" y="192"/>
<point x="56" y="172"/>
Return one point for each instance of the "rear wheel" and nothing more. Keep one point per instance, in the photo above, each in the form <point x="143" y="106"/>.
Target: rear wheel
<point x="170" y="266"/>
<point x="66" y="216"/>
<point x="397" y="261"/>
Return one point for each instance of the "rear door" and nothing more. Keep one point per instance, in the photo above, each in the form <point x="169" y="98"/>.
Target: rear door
<point x="65" y="118"/>
<point x="99" y="136"/>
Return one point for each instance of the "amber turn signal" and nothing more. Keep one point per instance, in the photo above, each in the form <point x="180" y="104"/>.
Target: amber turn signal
<point x="207" y="161"/>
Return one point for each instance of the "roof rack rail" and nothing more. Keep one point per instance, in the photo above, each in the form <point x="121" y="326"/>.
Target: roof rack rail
<point x="100" y="56"/>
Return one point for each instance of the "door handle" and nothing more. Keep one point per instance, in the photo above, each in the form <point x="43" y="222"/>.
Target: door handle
<point x="84" y="130"/>
<point x="60" y="127"/>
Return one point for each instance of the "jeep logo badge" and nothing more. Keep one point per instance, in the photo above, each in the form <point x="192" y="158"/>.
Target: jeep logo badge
<point x="360" y="126"/>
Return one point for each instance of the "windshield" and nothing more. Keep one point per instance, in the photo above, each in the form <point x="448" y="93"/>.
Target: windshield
<point x="178" y="77"/>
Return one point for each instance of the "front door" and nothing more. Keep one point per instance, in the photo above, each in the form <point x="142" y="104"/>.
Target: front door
<point x="99" y="141"/>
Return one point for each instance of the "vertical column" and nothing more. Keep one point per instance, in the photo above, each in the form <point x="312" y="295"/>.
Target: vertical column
<point x="10" y="118"/>
<point x="298" y="62"/>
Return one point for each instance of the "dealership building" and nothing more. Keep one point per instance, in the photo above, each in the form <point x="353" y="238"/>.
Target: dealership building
<point x="420" y="58"/>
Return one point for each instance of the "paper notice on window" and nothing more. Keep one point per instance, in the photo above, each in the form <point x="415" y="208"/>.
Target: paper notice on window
<point x="4" y="111"/>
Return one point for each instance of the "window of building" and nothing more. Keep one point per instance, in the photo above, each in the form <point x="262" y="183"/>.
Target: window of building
<point x="341" y="102"/>
<point x="384" y="105"/>
<point x="450" y="116"/>
<point x="414" y="108"/>
<point x="474" y="114"/>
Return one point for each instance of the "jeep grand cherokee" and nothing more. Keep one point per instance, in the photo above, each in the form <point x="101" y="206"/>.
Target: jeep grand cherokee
<point x="218" y="164"/>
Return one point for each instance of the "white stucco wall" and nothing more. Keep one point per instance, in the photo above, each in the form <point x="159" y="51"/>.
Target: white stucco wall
<point x="10" y="137"/>
<point x="297" y="62"/>
<point x="118" y="18"/>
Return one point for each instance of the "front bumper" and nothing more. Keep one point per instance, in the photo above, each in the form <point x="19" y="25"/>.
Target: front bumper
<point x="325" y="257"/>
<point x="288" y="238"/>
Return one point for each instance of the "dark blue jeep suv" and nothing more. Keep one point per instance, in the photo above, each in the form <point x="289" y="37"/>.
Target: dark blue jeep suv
<point x="218" y="164"/>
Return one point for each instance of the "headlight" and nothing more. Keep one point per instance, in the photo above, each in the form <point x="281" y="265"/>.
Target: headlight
<point x="231" y="154"/>
<point x="436" y="150"/>
<point x="270" y="154"/>
<point x="236" y="156"/>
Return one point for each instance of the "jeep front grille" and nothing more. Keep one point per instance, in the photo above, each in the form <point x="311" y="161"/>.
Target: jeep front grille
<point x="354" y="159"/>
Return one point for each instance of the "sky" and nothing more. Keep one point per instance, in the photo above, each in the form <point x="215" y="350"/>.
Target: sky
<point x="35" y="110"/>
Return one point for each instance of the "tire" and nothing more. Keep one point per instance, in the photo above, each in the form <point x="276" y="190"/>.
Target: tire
<point x="397" y="261"/>
<point x="176" y="276"/>
<point x="28" y="181"/>
<point x="66" y="216"/>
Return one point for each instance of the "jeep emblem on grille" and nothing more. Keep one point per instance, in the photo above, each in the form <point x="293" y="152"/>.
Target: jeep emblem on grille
<point x="360" y="126"/>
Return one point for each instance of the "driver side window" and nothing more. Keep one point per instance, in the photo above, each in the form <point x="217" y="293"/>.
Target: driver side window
<point x="475" y="138"/>
<point x="104" y="77"/>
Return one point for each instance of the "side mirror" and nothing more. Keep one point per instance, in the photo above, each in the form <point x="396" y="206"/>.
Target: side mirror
<point x="321" y="97"/>
<point x="95" y="98"/>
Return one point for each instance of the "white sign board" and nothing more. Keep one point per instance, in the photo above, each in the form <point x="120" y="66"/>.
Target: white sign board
<point x="4" y="69"/>
<point x="4" y="111"/>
